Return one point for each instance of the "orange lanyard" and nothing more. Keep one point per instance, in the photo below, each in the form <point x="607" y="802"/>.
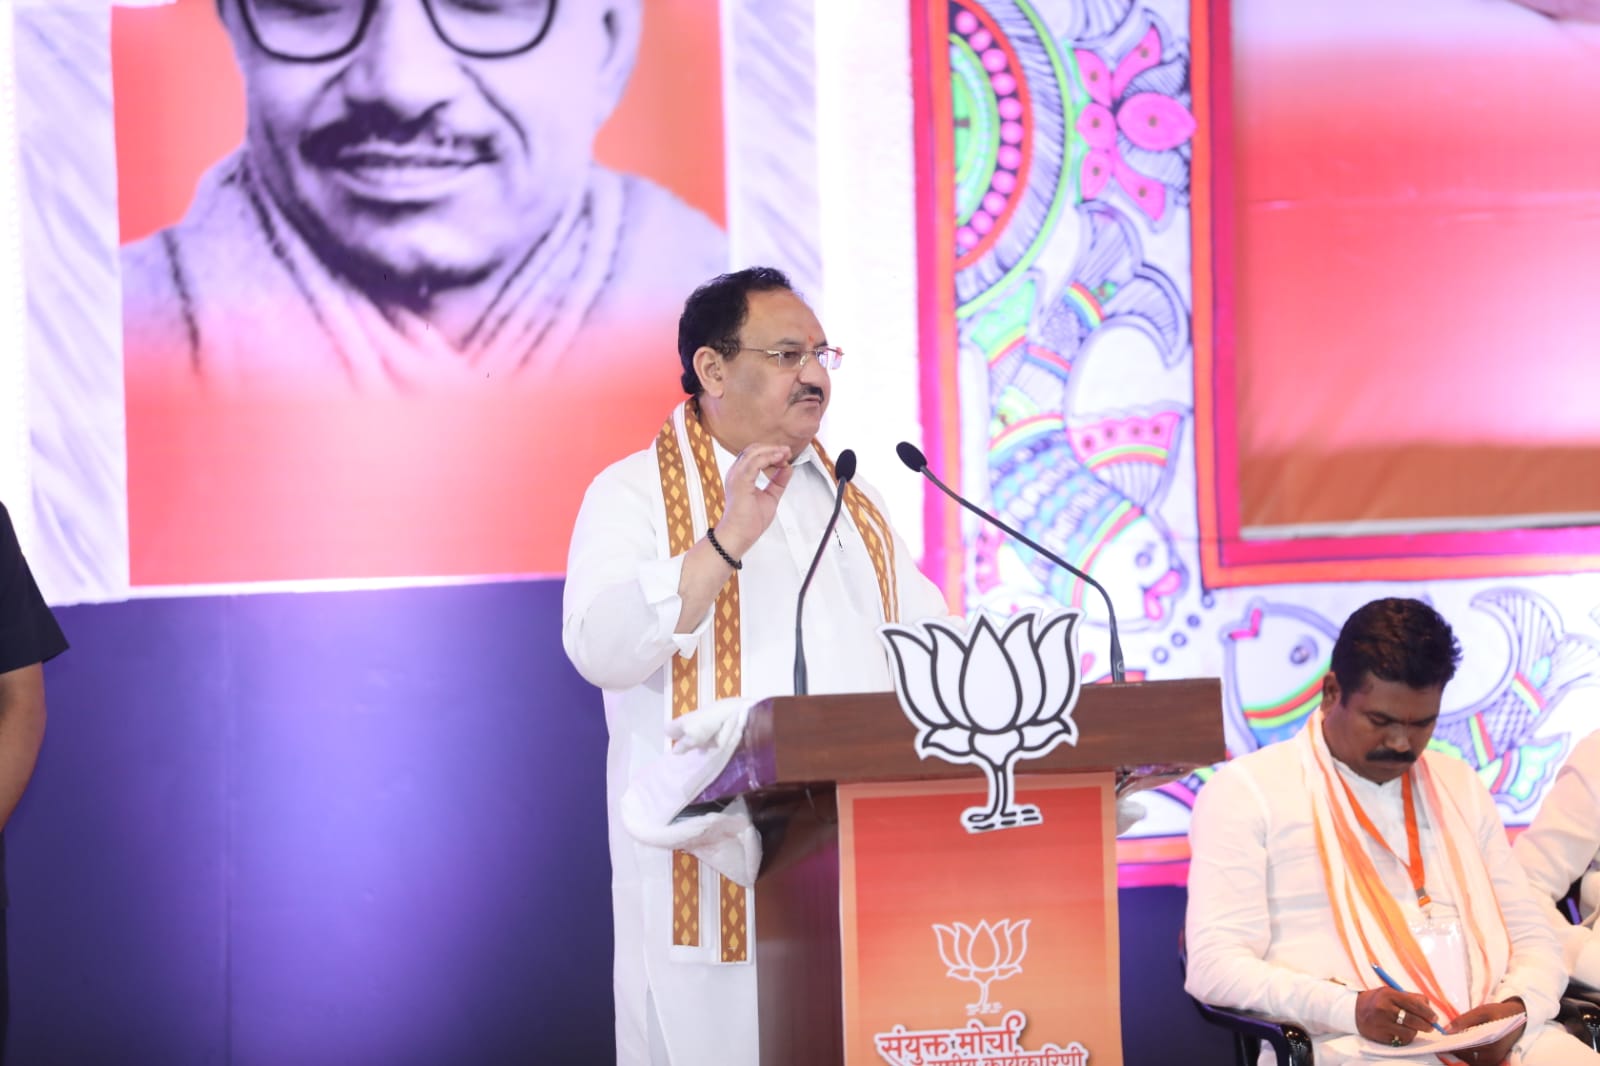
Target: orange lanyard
<point x="1414" y="865"/>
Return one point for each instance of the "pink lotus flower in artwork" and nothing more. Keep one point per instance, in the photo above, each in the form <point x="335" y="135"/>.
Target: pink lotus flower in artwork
<point x="983" y="954"/>
<point x="1147" y="120"/>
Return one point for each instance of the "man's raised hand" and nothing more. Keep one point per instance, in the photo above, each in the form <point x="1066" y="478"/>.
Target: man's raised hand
<point x="749" y="509"/>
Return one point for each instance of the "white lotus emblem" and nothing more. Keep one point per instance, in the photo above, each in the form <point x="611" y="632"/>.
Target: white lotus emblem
<point x="983" y="955"/>
<point x="990" y="698"/>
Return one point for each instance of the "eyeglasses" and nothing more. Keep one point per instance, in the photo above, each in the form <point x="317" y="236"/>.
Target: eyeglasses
<point x="315" y="31"/>
<point x="795" y="358"/>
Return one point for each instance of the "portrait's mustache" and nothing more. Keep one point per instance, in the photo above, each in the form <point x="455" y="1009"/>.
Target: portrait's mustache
<point x="1389" y="755"/>
<point x="378" y="131"/>
<point x="806" y="392"/>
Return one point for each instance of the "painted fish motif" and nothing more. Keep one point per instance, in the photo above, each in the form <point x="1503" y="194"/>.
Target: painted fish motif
<point x="1276" y="656"/>
<point x="1084" y="486"/>
<point x="1496" y="735"/>
<point x="1274" y="660"/>
<point x="1041" y="487"/>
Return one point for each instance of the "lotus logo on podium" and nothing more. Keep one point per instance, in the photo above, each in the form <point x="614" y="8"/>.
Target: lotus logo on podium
<point x="990" y="697"/>
<point x="983" y="955"/>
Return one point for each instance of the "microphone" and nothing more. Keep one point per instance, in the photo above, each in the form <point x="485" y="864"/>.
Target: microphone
<point x="912" y="456"/>
<point x="844" y="468"/>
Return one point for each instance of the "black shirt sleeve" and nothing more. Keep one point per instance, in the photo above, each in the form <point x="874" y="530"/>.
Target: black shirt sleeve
<point x="28" y="631"/>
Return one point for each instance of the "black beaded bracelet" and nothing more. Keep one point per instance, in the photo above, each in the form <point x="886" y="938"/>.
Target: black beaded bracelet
<point x="711" y="535"/>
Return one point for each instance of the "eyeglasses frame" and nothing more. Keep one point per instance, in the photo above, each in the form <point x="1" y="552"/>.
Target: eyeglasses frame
<point x="368" y="9"/>
<point x="779" y="353"/>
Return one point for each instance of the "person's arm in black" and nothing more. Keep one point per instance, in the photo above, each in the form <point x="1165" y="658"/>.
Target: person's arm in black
<point x="29" y="636"/>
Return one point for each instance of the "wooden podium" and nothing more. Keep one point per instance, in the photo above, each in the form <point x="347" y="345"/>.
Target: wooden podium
<point x="833" y="784"/>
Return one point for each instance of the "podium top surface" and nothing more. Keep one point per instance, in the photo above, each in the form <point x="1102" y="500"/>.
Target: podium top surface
<point x="1149" y="729"/>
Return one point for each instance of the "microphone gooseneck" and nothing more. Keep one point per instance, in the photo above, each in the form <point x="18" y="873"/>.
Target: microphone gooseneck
<point x="912" y="456"/>
<point x="844" y="468"/>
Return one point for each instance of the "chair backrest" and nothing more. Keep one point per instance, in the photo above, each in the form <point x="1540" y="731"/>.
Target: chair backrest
<point x="1290" y="1043"/>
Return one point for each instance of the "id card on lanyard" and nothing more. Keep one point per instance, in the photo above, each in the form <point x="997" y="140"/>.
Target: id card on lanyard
<point x="1436" y="926"/>
<point x="1444" y="944"/>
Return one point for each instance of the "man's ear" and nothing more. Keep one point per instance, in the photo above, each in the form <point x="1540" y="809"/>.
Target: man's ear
<point x="622" y="22"/>
<point x="708" y="364"/>
<point x="1330" y="691"/>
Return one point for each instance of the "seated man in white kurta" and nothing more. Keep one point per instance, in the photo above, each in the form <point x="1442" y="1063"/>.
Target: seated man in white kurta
<point x="1562" y="846"/>
<point x="1350" y="848"/>
<point x="685" y="565"/>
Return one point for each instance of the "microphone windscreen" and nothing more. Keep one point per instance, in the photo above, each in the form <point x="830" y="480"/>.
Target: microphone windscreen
<point x="912" y="456"/>
<point x="844" y="467"/>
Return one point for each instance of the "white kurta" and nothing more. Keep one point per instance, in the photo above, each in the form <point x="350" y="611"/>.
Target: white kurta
<point x="621" y="606"/>
<point x="1563" y="845"/>
<point x="1260" y="931"/>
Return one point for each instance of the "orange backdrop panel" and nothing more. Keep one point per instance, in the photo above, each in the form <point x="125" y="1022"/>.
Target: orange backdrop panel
<point x="1416" y="247"/>
<point x="906" y="864"/>
<point x="252" y="489"/>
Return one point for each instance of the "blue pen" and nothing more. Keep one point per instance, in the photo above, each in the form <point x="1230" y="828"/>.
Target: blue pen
<point x="1390" y="981"/>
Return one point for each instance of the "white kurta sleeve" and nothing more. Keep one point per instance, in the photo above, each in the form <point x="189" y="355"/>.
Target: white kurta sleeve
<point x="1562" y="845"/>
<point x="1229" y="920"/>
<point x="1534" y="972"/>
<point x="621" y="603"/>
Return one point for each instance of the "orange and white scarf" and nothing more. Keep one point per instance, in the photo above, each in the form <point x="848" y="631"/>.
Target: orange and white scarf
<point x="1372" y="926"/>
<point x="693" y="505"/>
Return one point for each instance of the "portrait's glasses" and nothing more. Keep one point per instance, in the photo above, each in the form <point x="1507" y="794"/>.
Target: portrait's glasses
<point x="315" y="31"/>
<point x="795" y="358"/>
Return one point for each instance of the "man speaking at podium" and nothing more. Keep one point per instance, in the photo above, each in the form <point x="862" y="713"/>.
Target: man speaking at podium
<point x="682" y="578"/>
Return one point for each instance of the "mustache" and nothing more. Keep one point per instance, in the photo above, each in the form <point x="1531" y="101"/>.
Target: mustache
<point x="1388" y="755"/>
<point x="806" y="392"/>
<point x="376" y="127"/>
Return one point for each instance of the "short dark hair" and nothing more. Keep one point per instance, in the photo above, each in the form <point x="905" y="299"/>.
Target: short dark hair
<point x="1399" y="640"/>
<point x="715" y="312"/>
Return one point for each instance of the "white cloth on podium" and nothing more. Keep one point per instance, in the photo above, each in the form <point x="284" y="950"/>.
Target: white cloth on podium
<point x="703" y="742"/>
<point x="1129" y="814"/>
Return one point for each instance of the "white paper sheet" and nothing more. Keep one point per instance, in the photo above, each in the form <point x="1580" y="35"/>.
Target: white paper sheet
<point x="1432" y="1043"/>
